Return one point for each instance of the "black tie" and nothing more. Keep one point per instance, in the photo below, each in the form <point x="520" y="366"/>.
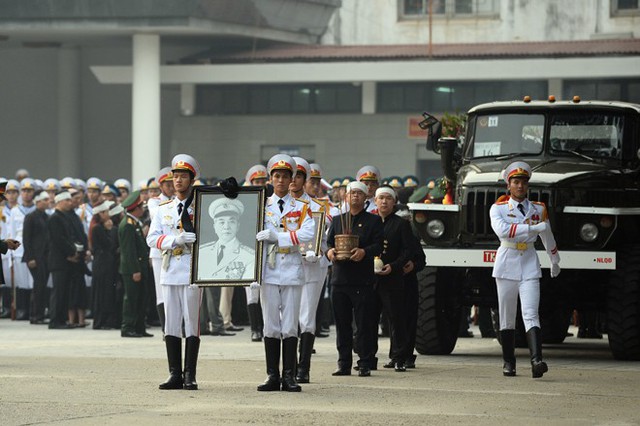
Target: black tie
<point x="179" y="209"/>
<point x="366" y="204"/>
<point x="521" y="208"/>
<point x="281" y="205"/>
<point x="220" y="254"/>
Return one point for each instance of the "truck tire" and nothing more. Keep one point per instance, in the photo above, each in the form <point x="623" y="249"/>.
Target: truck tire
<point x="623" y="305"/>
<point x="439" y="311"/>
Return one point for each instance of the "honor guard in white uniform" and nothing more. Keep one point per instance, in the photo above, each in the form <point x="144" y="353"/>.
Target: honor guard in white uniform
<point x="165" y="179"/>
<point x="518" y="222"/>
<point x="124" y="186"/>
<point x="256" y="176"/>
<point x="22" y="277"/>
<point x="12" y="191"/>
<point x="315" y="267"/>
<point x="287" y="224"/>
<point x="370" y="176"/>
<point x="52" y="187"/>
<point x="172" y="232"/>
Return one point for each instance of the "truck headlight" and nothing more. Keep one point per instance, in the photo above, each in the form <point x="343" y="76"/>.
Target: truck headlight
<point x="435" y="228"/>
<point x="589" y="232"/>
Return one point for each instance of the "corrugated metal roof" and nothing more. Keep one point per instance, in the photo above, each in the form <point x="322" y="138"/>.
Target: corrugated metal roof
<point x="328" y="53"/>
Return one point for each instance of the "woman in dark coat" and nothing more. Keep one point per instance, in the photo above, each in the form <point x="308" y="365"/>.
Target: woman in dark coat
<point x="103" y="248"/>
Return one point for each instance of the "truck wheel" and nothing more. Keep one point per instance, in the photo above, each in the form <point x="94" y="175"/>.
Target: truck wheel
<point x="439" y="311"/>
<point x="623" y="305"/>
<point x="521" y="336"/>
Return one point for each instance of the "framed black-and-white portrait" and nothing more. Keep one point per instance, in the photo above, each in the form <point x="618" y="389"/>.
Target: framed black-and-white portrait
<point x="226" y="252"/>
<point x="315" y="244"/>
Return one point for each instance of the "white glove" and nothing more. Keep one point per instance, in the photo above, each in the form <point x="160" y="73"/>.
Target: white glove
<point x="538" y="228"/>
<point x="267" y="235"/>
<point x="555" y="270"/>
<point x="185" y="238"/>
<point x="254" y="285"/>
<point x="310" y="256"/>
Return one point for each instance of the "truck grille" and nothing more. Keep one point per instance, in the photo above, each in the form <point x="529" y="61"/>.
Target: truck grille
<point x="480" y="200"/>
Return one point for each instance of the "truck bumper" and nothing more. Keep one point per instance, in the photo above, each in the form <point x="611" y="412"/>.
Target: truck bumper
<point x="479" y="258"/>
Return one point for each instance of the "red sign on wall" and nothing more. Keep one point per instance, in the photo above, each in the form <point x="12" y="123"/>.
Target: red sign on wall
<point x="414" y="131"/>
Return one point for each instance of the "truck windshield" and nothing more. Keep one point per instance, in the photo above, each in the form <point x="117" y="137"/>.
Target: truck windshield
<point x="597" y="135"/>
<point x="504" y="134"/>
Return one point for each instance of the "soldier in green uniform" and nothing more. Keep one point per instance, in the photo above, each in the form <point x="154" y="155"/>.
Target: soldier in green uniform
<point x="134" y="267"/>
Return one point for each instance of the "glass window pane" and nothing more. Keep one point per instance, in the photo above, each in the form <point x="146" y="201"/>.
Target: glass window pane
<point x="390" y="98"/>
<point x="413" y="98"/>
<point x="349" y="99"/>
<point x="279" y="100"/>
<point x="414" y="7"/>
<point x="437" y="6"/>
<point x="609" y="91"/>
<point x="301" y="99"/>
<point x="258" y="100"/>
<point x="585" y="89"/>
<point x="464" y="6"/>
<point x="325" y="99"/>
<point x="440" y="97"/>
<point x="234" y="100"/>
<point x="627" y="4"/>
<point x="633" y="93"/>
<point x="463" y="97"/>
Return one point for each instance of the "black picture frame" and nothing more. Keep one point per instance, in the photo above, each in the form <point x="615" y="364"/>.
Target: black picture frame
<point x="241" y="260"/>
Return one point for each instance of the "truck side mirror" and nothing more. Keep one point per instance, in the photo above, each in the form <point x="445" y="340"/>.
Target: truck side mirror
<point x="434" y="128"/>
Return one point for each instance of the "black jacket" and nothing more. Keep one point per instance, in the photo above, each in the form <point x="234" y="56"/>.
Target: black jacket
<point x="371" y="232"/>
<point x="35" y="237"/>
<point x="398" y="247"/>
<point x="61" y="241"/>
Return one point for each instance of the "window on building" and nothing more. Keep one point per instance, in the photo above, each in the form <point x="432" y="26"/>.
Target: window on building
<point x="625" y="7"/>
<point x="626" y="90"/>
<point x="449" y="8"/>
<point x="278" y="99"/>
<point x="452" y="96"/>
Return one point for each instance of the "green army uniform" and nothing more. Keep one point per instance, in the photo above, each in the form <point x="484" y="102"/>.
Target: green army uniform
<point x="134" y="258"/>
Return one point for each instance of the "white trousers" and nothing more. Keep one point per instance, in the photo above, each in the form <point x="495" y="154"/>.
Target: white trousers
<point x="226" y="304"/>
<point x="21" y="275"/>
<point x="508" y="291"/>
<point x="280" y="310"/>
<point x="156" y="265"/>
<point x="181" y="302"/>
<point x="310" y="298"/>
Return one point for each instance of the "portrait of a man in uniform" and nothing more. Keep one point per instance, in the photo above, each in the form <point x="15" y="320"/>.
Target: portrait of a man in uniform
<point x="226" y="251"/>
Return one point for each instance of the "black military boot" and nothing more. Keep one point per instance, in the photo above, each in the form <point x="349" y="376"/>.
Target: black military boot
<point x="272" y="355"/>
<point x="191" y="349"/>
<point x="508" y="338"/>
<point x="306" y="348"/>
<point x="255" y="315"/>
<point x="174" y="355"/>
<point x="289" y="346"/>
<point x="538" y="367"/>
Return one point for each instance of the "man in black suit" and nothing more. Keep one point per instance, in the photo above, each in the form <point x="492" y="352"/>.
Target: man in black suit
<point x="63" y="257"/>
<point x="35" y="239"/>
<point x="352" y="281"/>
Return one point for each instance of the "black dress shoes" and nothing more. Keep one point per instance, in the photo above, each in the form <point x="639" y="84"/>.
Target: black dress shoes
<point x="234" y="328"/>
<point x="130" y="334"/>
<point x="389" y="364"/>
<point x="256" y="336"/>
<point x="342" y="372"/>
<point x="145" y="334"/>
<point x="364" y="372"/>
<point x="400" y="367"/>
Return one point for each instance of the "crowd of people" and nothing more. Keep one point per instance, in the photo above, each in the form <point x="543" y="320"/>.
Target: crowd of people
<point x="74" y="249"/>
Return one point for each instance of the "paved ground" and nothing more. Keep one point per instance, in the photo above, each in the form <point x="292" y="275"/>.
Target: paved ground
<point x="83" y="376"/>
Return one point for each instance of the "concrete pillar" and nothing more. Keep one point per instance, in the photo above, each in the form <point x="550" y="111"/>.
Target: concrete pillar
<point x="145" y="123"/>
<point x="369" y="97"/>
<point x="187" y="99"/>
<point x="69" y="147"/>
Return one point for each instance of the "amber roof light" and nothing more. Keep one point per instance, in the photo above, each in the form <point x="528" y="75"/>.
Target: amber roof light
<point x="576" y="99"/>
<point x="526" y="99"/>
<point x="552" y="99"/>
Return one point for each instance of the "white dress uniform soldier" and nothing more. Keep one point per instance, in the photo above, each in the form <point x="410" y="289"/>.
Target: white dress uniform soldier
<point x="12" y="192"/>
<point x="226" y="258"/>
<point x="22" y="277"/>
<point x="124" y="186"/>
<point x="256" y="176"/>
<point x="165" y="179"/>
<point x="370" y="176"/>
<point x="172" y="232"/>
<point x="315" y="270"/>
<point x="52" y="187"/>
<point x="285" y="228"/>
<point x="518" y="222"/>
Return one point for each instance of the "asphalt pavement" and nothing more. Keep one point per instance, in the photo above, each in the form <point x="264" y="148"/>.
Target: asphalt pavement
<point x="86" y="377"/>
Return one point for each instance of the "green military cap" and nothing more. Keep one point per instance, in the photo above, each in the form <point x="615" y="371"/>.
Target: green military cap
<point x="132" y="201"/>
